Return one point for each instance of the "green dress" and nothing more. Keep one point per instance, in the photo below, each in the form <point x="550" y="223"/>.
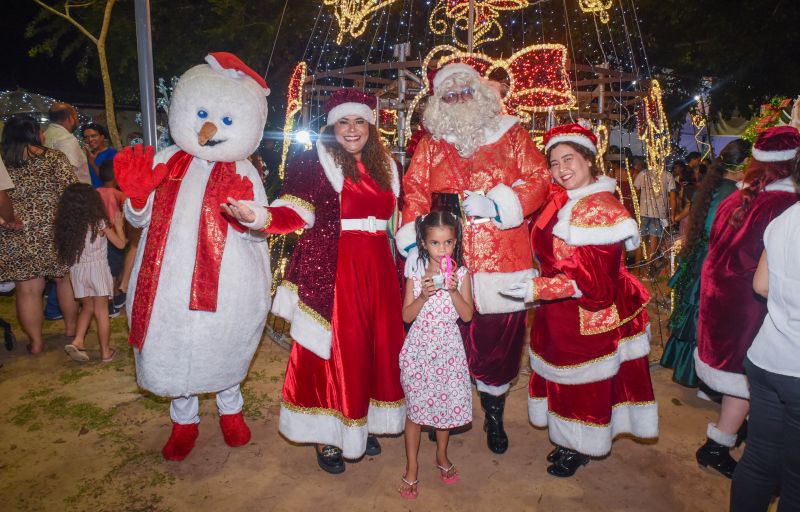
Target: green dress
<point x="679" y="350"/>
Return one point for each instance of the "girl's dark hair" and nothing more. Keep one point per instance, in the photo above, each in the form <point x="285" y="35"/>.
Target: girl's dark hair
<point x="438" y="219"/>
<point x="756" y="177"/>
<point x="583" y="151"/>
<point x="19" y="133"/>
<point x="374" y="156"/>
<point x="99" y="128"/>
<point x="80" y="209"/>
<point x="731" y="156"/>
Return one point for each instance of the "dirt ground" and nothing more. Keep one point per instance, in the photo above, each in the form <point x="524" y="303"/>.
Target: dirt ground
<point x="84" y="437"/>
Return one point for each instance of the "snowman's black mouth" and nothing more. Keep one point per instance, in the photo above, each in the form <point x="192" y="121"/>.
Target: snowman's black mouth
<point x="214" y="142"/>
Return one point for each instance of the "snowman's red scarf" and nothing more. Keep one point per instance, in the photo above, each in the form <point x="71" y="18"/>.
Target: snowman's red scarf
<point x="212" y="233"/>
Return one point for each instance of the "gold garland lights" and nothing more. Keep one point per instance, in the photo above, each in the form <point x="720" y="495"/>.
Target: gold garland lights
<point x="699" y="124"/>
<point x="294" y="103"/>
<point x="487" y="28"/>
<point x="596" y="7"/>
<point x="601" y="132"/>
<point x="653" y="129"/>
<point x="353" y="16"/>
<point x="538" y="78"/>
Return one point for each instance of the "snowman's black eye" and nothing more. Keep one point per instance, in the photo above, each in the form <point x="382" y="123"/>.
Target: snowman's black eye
<point x="227" y="120"/>
<point x="202" y="114"/>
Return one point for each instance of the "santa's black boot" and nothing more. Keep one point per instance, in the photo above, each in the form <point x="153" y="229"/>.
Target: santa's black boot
<point x="715" y="453"/>
<point x="496" y="437"/>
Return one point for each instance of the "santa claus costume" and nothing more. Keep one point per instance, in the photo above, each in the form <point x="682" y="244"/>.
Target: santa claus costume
<point x="590" y="379"/>
<point x="200" y="284"/>
<point x="341" y="294"/>
<point x="730" y="313"/>
<point x="489" y="163"/>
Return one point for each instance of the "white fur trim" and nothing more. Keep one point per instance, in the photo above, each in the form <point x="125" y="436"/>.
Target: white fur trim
<point x="259" y="210"/>
<point x="639" y="420"/>
<point x="596" y="370"/>
<point x="577" y="139"/>
<point x="386" y="420"/>
<point x="492" y="390"/>
<point x="351" y="108"/>
<point x="508" y="206"/>
<point x="302" y="427"/>
<point x="449" y="70"/>
<point x="305" y="330"/>
<point x="781" y="185"/>
<point x="406" y="236"/>
<point x="139" y="218"/>
<point x="729" y="383"/>
<point x="486" y="288"/>
<point x="505" y="124"/>
<point x="715" y="434"/>
<point x="336" y="177"/>
<point x="774" y="156"/>
<point x="308" y="216"/>
<point x="627" y="230"/>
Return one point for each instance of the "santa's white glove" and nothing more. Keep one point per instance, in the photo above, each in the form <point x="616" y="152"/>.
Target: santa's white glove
<point x="478" y="205"/>
<point x="414" y="266"/>
<point x="521" y="290"/>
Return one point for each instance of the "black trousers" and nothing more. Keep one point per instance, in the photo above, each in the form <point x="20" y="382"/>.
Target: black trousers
<point x="772" y="455"/>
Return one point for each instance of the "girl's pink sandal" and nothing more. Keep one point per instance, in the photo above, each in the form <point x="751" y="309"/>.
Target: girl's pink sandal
<point x="409" y="490"/>
<point x="448" y="475"/>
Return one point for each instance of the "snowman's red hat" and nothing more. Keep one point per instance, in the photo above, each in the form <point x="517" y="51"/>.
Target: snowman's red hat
<point x="232" y="66"/>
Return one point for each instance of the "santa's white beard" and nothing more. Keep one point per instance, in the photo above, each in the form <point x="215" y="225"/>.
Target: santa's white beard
<point x="463" y="124"/>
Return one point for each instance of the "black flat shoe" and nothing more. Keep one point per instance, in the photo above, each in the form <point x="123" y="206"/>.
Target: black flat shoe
<point x="556" y="454"/>
<point x="568" y="464"/>
<point x="716" y="456"/>
<point x="373" y="446"/>
<point x="330" y="459"/>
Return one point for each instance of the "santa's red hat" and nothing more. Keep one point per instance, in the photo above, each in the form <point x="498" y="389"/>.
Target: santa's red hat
<point x="350" y="102"/>
<point x="777" y="144"/>
<point x="456" y="68"/>
<point x="232" y="66"/>
<point x="570" y="133"/>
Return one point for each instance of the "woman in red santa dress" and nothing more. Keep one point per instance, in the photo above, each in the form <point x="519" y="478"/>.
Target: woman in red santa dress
<point x="590" y="335"/>
<point x="341" y="290"/>
<point x="730" y="313"/>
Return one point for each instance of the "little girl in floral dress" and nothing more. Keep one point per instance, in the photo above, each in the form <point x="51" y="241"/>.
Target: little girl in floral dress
<point x="433" y="365"/>
<point x="81" y="231"/>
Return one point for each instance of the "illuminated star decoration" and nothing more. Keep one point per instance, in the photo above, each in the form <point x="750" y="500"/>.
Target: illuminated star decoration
<point x="537" y="77"/>
<point x="487" y="12"/>
<point x="653" y="129"/>
<point x="598" y="7"/>
<point x="353" y="16"/>
<point x="294" y="103"/>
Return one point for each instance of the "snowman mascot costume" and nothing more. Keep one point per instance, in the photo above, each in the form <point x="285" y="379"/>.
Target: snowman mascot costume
<point x="199" y="292"/>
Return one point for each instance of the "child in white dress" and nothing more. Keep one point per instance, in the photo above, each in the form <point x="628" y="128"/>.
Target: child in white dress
<point x="81" y="231"/>
<point x="433" y="364"/>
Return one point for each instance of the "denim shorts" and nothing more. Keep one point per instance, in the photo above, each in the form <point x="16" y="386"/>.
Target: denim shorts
<point x="652" y="226"/>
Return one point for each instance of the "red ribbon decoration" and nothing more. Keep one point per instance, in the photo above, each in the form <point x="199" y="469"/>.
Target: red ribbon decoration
<point x="557" y="199"/>
<point x="212" y="234"/>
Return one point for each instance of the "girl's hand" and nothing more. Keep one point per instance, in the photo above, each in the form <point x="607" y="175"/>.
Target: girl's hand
<point x="428" y="288"/>
<point x="452" y="284"/>
<point x="238" y="211"/>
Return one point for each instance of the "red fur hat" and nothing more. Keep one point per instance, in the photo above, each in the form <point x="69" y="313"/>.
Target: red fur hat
<point x="350" y="102"/>
<point x="231" y="65"/>
<point x="777" y="144"/>
<point x="570" y="133"/>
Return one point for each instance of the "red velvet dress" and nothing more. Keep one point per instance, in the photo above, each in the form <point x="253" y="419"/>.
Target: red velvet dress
<point x="590" y="379"/>
<point x="339" y="400"/>
<point x="730" y="312"/>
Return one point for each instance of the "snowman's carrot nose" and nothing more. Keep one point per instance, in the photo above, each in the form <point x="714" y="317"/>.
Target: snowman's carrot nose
<point x="206" y="132"/>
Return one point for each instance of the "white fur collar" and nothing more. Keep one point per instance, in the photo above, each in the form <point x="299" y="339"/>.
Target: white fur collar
<point x="602" y="184"/>
<point x="492" y="136"/>
<point x="336" y="177"/>
<point x="782" y="185"/>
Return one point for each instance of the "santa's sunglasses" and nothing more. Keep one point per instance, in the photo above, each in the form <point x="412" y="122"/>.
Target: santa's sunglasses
<point x="454" y="96"/>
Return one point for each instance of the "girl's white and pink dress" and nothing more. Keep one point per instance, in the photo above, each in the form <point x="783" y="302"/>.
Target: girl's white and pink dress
<point x="433" y="364"/>
<point x="91" y="275"/>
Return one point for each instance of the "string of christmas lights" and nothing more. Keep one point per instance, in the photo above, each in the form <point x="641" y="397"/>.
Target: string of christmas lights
<point x="294" y="104"/>
<point x="487" y="26"/>
<point x="653" y="129"/>
<point x="353" y="15"/>
<point x="596" y="7"/>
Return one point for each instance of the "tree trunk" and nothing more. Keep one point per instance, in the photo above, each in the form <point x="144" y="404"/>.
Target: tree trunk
<point x="111" y="115"/>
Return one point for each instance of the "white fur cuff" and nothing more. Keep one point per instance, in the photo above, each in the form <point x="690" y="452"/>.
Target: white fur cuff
<point x="406" y="237"/>
<point x="508" y="206"/>
<point x="715" y="434"/>
<point x="260" y="212"/>
<point x="492" y="390"/>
